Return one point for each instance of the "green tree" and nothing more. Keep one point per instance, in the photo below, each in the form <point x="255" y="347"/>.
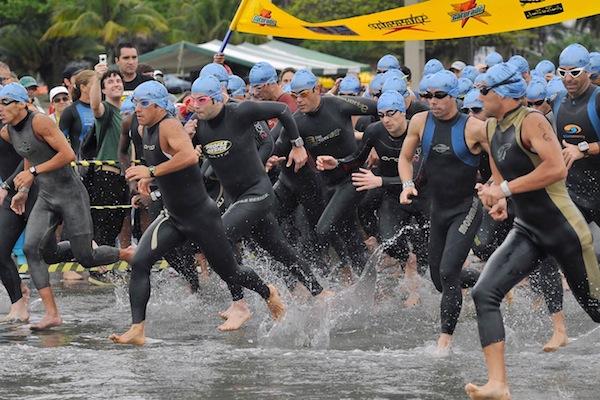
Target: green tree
<point x="105" y="20"/>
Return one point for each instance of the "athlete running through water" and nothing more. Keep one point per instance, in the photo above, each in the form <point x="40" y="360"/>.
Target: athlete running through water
<point x="189" y="212"/>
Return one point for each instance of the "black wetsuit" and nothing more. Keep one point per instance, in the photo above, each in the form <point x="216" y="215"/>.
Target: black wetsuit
<point x="62" y="197"/>
<point x="229" y="146"/>
<point x="189" y="215"/>
<point x="451" y="172"/>
<point x="547" y="223"/>
<point x="393" y="217"/>
<point x="578" y="120"/>
<point x="328" y="131"/>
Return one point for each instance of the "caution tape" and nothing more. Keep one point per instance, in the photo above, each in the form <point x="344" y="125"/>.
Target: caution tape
<point x="117" y="207"/>
<point x="73" y="266"/>
<point x="98" y="163"/>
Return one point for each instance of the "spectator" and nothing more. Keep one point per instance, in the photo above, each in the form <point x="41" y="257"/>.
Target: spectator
<point x="145" y="69"/>
<point x="70" y="72"/>
<point x="60" y="100"/>
<point x="29" y="83"/>
<point x="106" y="186"/>
<point x="5" y="74"/>
<point x="77" y="119"/>
<point x="127" y="61"/>
<point x="286" y="76"/>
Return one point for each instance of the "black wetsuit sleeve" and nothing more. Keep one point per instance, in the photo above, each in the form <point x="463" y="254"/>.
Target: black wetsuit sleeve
<point x="354" y="161"/>
<point x="357" y="106"/>
<point x="253" y="111"/>
<point x="10" y="179"/>
<point x="264" y="141"/>
<point x="390" y="180"/>
<point x="67" y="124"/>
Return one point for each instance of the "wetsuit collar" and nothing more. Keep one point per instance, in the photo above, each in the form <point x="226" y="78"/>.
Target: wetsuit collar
<point x="507" y="118"/>
<point x="21" y="124"/>
<point x="450" y="120"/>
<point x="583" y="94"/>
<point x="219" y="117"/>
<point x="316" y="110"/>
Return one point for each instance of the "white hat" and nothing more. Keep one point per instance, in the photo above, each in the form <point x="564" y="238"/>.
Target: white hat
<point x="58" y="90"/>
<point x="157" y="72"/>
<point x="458" y="65"/>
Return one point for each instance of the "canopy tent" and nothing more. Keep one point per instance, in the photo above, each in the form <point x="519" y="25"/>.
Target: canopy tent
<point x="183" y="57"/>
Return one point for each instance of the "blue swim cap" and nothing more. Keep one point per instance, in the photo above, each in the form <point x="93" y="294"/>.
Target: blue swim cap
<point x="470" y="72"/>
<point x="500" y="75"/>
<point x="555" y="88"/>
<point x="393" y="72"/>
<point x="350" y="85"/>
<point x="471" y="99"/>
<point x="236" y="86"/>
<point x="520" y="63"/>
<point x="432" y="66"/>
<point x="262" y="73"/>
<point x="387" y="62"/>
<point x="464" y="85"/>
<point x="208" y="86"/>
<point x="127" y="106"/>
<point x="376" y="84"/>
<point x="494" y="58"/>
<point x="14" y="91"/>
<point x="303" y="79"/>
<point x="445" y="81"/>
<point x="396" y="84"/>
<point x="574" y="55"/>
<point x="216" y="70"/>
<point x="391" y="100"/>
<point x="594" y="66"/>
<point x="153" y="91"/>
<point x="545" y="67"/>
<point x="536" y="90"/>
<point x="537" y="75"/>
<point x="423" y="85"/>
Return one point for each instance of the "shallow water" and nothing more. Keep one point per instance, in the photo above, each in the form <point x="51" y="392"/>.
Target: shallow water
<point x="361" y="345"/>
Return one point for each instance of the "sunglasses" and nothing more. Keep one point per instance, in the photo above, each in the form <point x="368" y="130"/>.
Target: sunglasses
<point x="61" y="99"/>
<point x="141" y="103"/>
<point x="7" y="102"/>
<point x="304" y="94"/>
<point x="535" y="103"/>
<point x="474" y="110"/>
<point x="437" y="95"/>
<point x="388" y="113"/>
<point x="201" y="100"/>
<point x="484" y="90"/>
<point x="575" y="72"/>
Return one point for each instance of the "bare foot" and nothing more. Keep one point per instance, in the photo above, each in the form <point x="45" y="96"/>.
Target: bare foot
<point x="301" y="293"/>
<point x="127" y="254"/>
<point x="72" y="276"/>
<point x="371" y="244"/>
<point x="346" y="277"/>
<point x="510" y="296"/>
<point x="325" y="294"/>
<point x="559" y="339"/>
<point x="275" y="304"/>
<point x="225" y="314"/>
<point x="490" y="391"/>
<point x="47" y="322"/>
<point x="412" y="300"/>
<point x="18" y="312"/>
<point x="135" y="335"/>
<point x="239" y="314"/>
<point x="203" y="270"/>
<point x="443" y="344"/>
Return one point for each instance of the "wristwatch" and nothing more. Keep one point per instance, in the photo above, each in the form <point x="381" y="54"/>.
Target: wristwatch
<point x="298" y="142"/>
<point x="33" y="171"/>
<point x="505" y="189"/>
<point x="152" y="170"/>
<point x="583" y="147"/>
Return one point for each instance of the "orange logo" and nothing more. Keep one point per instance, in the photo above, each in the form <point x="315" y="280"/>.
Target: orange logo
<point x="469" y="9"/>
<point x="264" y="18"/>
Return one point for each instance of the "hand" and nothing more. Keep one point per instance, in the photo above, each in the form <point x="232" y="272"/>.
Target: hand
<point x="298" y="157"/>
<point x="571" y="153"/>
<point x="139" y="200"/>
<point x="499" y="212"/>
<point x="373" y="158"/>
<point x="23" y="179"/>
<point x="219" y="58"/>
<point x="100" y="69"/>
<point x="272" y="162"/>
<point x="190" y="127"/>
<point x="18" y="202"/>
<point x="490" y="195"/>
<point x="3" y="194"/>
<point x="143" y="186"/>
<point x="326" y="163"/>
<point x="407" y="194"/>
<point x="365" y="180"/>
<point x="137" y="172"/>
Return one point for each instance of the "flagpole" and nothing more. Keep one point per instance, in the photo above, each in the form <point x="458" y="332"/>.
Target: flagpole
<point x="233" y="25"/>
